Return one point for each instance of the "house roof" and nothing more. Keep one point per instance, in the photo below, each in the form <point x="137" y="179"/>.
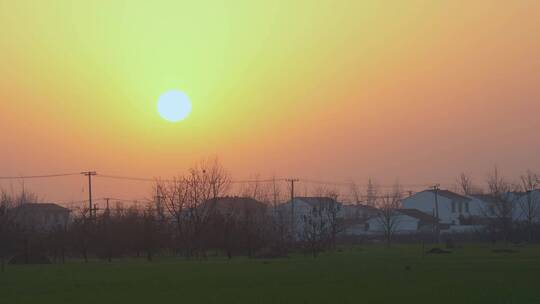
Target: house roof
<point x="234" y="203"/>
<point x="422" y="216"/>
<point x="51" y="207"/>
<point x="316" y="200"/>
<point x="450" y="195"/>
<point x="360" y="207"/>
<point x="525" y="193"/>
<point x="486" y="198"/>
<point x="353" y="222"/>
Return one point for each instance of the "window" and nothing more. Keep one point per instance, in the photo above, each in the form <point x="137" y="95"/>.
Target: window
<point x="453" y="207"/>
<point x="467" y="207"/>
<point x="460" y="207"/>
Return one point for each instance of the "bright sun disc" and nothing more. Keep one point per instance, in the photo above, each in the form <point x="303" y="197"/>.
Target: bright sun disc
<point x="174" y="106"/>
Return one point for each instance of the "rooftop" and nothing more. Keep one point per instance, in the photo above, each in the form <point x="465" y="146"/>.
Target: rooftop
<point x="316" y="200"/>
<point x="43" y="207"/>
<point x="450" y="195"/>
<point x="235" y="202"/>
<point x="417" y="214"/>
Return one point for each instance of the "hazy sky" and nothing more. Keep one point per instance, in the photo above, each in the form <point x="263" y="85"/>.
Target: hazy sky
<point x="415" y="90"/>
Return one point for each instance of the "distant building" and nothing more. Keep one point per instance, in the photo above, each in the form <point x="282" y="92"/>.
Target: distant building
<point x="523" y="205"/>
<point x="453" y="207"/>
<point x="235" y="206"/>
<point x="300" y="208"/>
<point x="403" y="221"/>
<point x="41" y="217"/>
<point x="483" y="204"/>
<point x="358" y="212"/>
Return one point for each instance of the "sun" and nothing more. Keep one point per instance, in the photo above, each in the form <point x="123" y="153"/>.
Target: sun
<point x="174" y="106"/>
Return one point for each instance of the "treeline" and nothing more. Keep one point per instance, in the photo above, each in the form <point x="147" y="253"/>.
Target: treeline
<point x="190" y="216"/>
<point x="142" y="232"/>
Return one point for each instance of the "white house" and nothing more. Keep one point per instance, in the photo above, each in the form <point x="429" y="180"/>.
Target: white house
<point x="452" y="207"/>
<point x="300" y="208"/>
<point x="483" y="205"/>
<point x="526" y="206"/>
<point x="523" y="205"/>
<point x="402" y="221"/>
<point x="355" y="212"/>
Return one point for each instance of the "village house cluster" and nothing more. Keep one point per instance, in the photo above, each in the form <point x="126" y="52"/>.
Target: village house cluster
<point x="424" y="212"/>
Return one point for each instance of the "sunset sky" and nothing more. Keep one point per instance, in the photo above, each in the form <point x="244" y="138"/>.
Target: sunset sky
<point x="333" y="90"/>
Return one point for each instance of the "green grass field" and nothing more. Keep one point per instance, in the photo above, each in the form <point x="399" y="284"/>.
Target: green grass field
<point x="473" y="274"/>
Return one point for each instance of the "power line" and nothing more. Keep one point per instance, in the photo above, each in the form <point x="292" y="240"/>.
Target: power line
<point x="323" y="182"/>
<point x="80" y="202"/>
<point x="258" y="181"/>
<point x="132" y="178"/>
<point x="143" y="179"/>
<point x="146" y="179"/>
<point x="302" y="180"/>
<point x="39" y="176"/>
<point x="127" y="200"/>
<point x="140" y="179"/>
<point x="312" y="181"/>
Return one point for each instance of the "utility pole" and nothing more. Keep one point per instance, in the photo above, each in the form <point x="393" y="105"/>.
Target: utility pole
<point x="437" y="228"/>
<point x="89" y="174"/>
<point x="292" y="181"/>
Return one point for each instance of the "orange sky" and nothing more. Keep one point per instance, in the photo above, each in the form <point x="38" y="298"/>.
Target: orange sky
<point x="414" y="90"/>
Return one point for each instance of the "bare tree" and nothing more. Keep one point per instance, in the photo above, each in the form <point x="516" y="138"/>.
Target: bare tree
<point x="206" y="180"/>
<point x="257" y="190"/>
<point x="174" y="194"/>
<point x="227" y="225"/>
<point x="501" y="206"/>
<point x="13" y="222"/>
<point x="276" y="192"/>
<point x="211" y="177"/>
<point x="464" y="183"/>
<point x="185" y="199"/>
<point x="252" y="220"/>
<point x="315" y="230"/>
<point x="150" y="231"/>
<point x="529" y="203"/>
<point x="81" y="232"/>
<point x="279" y="221"/>
<point x="387" y="216"/>
<point x="7" y="203"/>
<point x="325" y="191"/>
<point x="331" y="211"/>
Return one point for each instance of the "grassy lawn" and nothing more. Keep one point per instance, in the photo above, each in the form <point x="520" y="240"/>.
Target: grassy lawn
<point x="473" y="274"/>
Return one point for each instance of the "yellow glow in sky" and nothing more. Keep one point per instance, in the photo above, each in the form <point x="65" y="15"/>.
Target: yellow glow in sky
<point x="419" y="90"/>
